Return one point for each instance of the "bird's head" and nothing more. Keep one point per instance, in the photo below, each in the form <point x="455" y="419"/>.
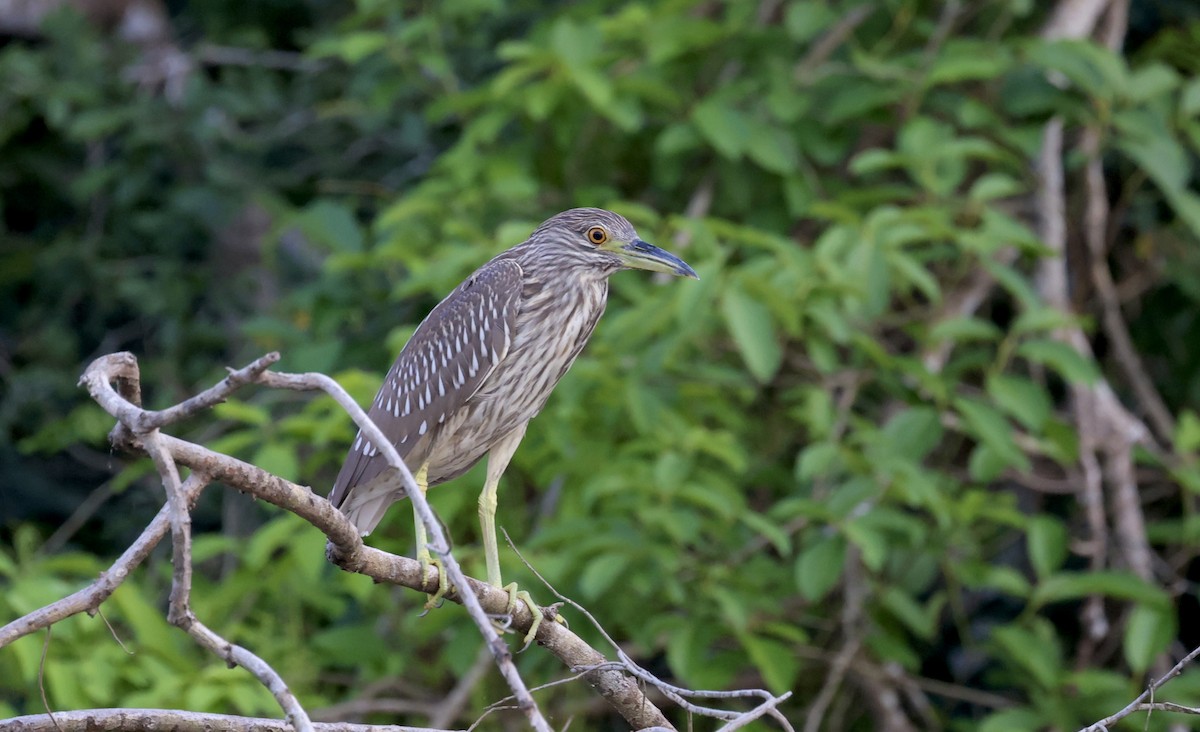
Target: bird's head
<point x="605" y="242"/>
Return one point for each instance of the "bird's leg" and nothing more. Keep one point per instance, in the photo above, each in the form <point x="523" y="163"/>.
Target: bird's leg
<point x="424" y="558"/>
<point x="498" y="458"/>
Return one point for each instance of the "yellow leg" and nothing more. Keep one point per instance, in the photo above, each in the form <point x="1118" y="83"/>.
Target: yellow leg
<point x="423" y="555"/>
<point x="498" y="459"/>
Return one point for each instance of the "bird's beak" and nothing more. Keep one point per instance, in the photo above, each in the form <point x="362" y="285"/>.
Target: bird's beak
<point x="638" y="254"/>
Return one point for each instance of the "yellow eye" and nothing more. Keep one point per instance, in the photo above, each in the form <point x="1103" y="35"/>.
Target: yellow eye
<point x="597" y="235"/>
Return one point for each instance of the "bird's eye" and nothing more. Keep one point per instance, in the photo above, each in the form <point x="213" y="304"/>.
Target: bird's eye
<point x="597" y="235"/>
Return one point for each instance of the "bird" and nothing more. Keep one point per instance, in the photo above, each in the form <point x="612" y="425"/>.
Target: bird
<point x="483" y="363"/>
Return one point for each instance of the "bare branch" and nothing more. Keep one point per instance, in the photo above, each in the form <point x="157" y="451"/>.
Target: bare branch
<point x="591" y="672"/>
<point x="346" y="547"/>
<point x="42" y="678"/>
<point x="1138" y="703"/>
<point x="170" y="720"/>
<point x="89" y="599"/>
<point x="124" y="366"/>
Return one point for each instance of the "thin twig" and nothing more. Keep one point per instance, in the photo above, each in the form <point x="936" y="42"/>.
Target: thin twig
<point x="113" y="632"/>
<point x="172" y="720"/>
<point x="1136" y="704"/>
<point x="674" y="693"/>
<point x="42" y="678"/>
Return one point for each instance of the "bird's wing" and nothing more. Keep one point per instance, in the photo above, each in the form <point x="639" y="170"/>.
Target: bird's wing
<point x="447" y="360"/>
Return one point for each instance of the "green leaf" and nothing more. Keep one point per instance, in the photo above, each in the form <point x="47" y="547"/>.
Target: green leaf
<point x="920" y="621"/>
<point x="1097" y="71"/>
<point x="909" y="435"/>
<point x="1148" y="633"/>
<point x="753" y="332"/>
<point x="1109" y="583"/>
<point x="962" y="59"/>
<point x="776" y="661"/>
<point x="354" y="47"/>
<point x="990" y="427"/>
<point x="236" y="410"/>
<point x="991" y="186"/>
<point x="1187" y="432"/>
<point x="1068" y="362"/>
<point x="1046" y="540"/>
<point x="872" y="543"/>
<point x="601" y="572"/>
<point x="914" y="272"/>
<point x="875" y="160"/>
<point x="724" y="127"/>
<point x="1021" y="398"/>
<point x="773" y="149"/>
<point x="1041" y="320"/>
<point x="278" y="458"/>
<point x="818" y="459"/>
<point x="963" y="329"/>
<point x="273" y="537"/>
<point x="353" y="646"/>
<point x="1007" y="720"/>
<point x="769" y="530"/>
<point x="1036" y="651"/>
<point x="805" y="19"/>
<point x="819" y="567"/>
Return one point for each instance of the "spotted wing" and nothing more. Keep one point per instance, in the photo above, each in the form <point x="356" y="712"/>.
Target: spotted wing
<point x="447" y="360"/>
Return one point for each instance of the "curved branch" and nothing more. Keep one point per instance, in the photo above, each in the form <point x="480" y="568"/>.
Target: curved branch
<point x="346" y="548"/>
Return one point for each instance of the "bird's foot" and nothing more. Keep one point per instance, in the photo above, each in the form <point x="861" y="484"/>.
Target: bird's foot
<point x="435" y="600"/>
<point x="516" y="596"/>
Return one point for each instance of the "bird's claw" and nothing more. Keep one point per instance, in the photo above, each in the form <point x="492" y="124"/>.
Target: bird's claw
<point x="435" y="600"/>
<point x="516" y="596"/>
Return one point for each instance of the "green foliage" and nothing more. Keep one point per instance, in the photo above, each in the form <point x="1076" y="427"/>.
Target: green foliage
<point x="816" y="422"/>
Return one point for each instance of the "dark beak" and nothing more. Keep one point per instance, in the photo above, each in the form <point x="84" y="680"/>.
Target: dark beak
<point x="638" y="254"/>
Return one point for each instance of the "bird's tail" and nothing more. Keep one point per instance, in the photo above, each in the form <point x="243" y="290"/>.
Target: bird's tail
<point x="366" y="504"/>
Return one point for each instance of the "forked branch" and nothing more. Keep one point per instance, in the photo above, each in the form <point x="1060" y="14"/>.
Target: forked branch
<point x="114" y="383"/>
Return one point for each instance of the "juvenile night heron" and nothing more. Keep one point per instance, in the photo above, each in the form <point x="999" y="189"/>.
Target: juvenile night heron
<point x="483" y="363"/>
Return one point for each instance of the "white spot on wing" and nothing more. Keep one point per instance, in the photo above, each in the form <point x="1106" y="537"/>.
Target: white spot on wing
<point x="424" y="427"/>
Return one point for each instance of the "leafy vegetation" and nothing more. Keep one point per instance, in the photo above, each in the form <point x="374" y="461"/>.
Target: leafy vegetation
<point x="856" y="435"/>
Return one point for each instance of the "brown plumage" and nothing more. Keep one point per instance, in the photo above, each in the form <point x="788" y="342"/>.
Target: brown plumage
<point x="484" y="361"/>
